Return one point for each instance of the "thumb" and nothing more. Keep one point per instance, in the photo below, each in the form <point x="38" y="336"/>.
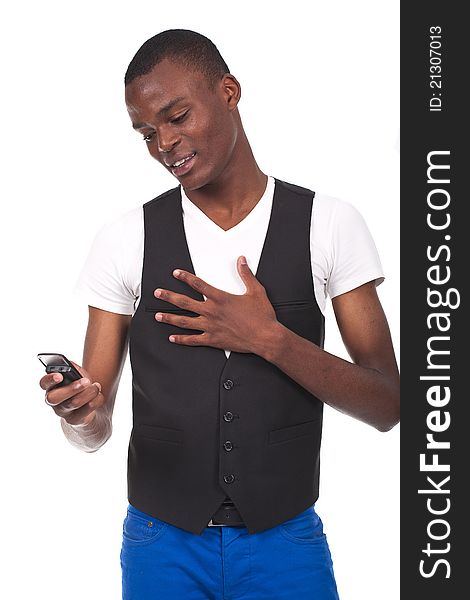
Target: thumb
<point x="246" y="273"/>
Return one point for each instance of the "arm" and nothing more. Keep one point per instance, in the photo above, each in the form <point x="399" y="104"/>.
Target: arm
<point x="86" y="408"/>
<point x="368" y="388"/>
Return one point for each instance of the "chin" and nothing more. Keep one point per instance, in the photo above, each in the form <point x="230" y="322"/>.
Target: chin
<point x="189" y="185"/>
<point x="195" y="182"/>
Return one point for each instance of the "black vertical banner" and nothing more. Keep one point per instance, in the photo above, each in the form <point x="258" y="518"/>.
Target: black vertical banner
<point x="435" y="254"/>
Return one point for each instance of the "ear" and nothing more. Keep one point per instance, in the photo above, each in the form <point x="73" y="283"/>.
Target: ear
<point x="231" y="90"/>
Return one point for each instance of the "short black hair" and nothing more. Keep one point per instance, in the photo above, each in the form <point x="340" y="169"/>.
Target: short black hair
<point x="188" y="48"/>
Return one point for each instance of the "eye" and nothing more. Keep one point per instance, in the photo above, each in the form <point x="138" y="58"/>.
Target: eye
<point x="180" y="118"/>
<point x="148" y="137"/>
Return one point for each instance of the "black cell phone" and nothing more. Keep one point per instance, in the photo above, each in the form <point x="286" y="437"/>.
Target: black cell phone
<point x="58" y="363"/>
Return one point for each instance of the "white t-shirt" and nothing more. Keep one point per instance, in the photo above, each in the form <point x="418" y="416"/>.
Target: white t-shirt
<point x="343" y="253"/>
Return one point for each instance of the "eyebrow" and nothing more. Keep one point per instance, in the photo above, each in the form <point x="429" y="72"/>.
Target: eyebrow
<point x="168" y="106"/>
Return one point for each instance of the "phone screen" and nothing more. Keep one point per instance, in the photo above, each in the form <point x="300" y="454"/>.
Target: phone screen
<point x="54" y="360"/>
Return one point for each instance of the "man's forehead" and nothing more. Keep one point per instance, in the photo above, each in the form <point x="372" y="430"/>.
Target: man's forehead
<point x="157" y="109"/>
<point x="156" y="98"/>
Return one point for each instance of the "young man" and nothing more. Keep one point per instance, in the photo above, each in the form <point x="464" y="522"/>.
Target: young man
<point x="219" y="284"/>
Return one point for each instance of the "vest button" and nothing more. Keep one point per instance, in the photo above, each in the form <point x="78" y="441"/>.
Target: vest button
<point x="229" y="478"/>
<point x="228" y="385"/>
<point x="228" y="445"/>
<point x="228" y="417"/>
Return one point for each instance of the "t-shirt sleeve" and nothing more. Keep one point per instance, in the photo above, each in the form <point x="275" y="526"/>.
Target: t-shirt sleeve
<point x="354" y="258"/>
<point x="103" y="281"/>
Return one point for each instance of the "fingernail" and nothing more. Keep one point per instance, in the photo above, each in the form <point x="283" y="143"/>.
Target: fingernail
<point x="98" y="385"/>
<point x="158" y="292"/>
<point x="56" y="377"/>
<point x="176" y="272"/>
<point x="159" y="316"/>
<point x="243" y="260"/>
<point x="172" y="338"/>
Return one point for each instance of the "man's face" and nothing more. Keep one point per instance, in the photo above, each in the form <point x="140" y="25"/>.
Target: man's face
<point x="187" y="126"/>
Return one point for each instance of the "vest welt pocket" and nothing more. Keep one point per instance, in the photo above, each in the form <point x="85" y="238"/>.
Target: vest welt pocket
<point x="162" y="434"/>
<point x="171" y="309"/>
<point x="293" y="304"/>
<point x="293" y="431"/>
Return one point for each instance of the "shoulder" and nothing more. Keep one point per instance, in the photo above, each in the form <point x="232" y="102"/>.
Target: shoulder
<point x="325" y="207"/>
<point x="337" y="223"/>
<point x="128" y="227"/>
<point x="119" y="241"/>
<point x="123" y="223"/>
<point x="343" y="250"/>
<point x="107" y="278"/>
<point x="120" y="233"/>
<point x="332" y="209"/>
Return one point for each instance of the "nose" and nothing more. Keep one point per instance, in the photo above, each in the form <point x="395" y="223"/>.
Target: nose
<point x="167" y="140"/>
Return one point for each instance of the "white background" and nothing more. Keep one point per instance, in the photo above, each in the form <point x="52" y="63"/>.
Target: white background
<point x="320" y="107"/>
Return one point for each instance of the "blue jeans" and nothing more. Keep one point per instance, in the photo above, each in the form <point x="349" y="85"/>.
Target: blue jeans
<point x="291" y="561"/>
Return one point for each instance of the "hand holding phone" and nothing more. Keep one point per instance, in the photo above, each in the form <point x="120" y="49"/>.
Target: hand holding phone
<point x="58" y="363"/>
<point x="69" y="389"/>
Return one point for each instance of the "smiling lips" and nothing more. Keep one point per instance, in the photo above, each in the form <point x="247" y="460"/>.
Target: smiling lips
<point x="182" y="165"/>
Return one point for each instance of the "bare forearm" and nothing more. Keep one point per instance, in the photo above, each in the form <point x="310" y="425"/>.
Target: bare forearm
<point x="361" y="392"/>
<point x="91" y="437"/>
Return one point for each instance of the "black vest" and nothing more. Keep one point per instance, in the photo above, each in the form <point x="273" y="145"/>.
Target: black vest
<point x="206" y="427"/>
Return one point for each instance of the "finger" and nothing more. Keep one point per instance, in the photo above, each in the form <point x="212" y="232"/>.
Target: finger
<point x="179" y="300"/>
<point x="82" y="414"/>
<point x="198" y="284"/>
<point x="91" y="395"/>
<point x="190" y="340"/>
<point x="49" y="380"/>
<point x="56" y="395"/>
<point x="246" y="274"/>
<point x="180" y="321"/>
